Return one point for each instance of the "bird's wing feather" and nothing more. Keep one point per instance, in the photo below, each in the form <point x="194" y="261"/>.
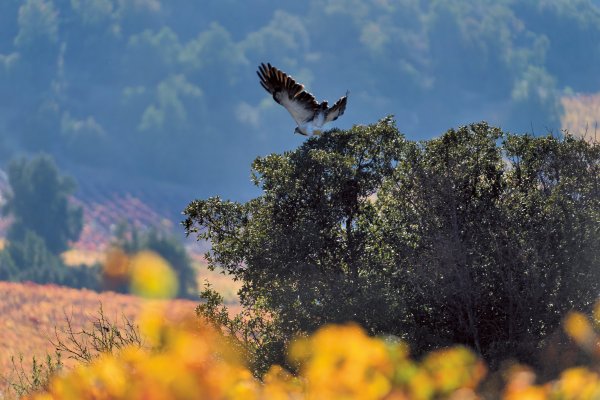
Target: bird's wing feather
<point x="337" y="109"/>
<point x="287" y="92"/>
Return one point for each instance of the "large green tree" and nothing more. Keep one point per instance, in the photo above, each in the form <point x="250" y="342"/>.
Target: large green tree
<point x="496" y="237"/>
<point x="38" y="202"/>
<point x="478" y="237"/>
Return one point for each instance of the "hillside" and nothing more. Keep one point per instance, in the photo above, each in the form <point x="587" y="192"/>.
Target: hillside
<point x="104" y="209"/>
<point x="30" y="312"/>
<point x="161" y="97"/>
<point x="102" y="214"/>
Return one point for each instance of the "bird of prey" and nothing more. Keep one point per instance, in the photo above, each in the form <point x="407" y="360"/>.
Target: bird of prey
<point x="304" y="108"/>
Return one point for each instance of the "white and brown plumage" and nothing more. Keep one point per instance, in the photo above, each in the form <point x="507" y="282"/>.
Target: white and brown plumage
<point x="304" y="108"/>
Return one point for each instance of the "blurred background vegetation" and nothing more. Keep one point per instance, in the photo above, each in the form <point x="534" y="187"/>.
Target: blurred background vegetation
<point x="146" y="95"/>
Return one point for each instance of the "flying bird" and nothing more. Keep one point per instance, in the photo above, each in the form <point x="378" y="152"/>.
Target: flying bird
<point x="304" y="108"/>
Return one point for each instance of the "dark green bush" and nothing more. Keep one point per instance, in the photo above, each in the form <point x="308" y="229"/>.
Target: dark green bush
<point x="478" y="237"/>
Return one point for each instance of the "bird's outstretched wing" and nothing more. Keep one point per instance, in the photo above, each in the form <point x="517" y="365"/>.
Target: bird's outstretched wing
<point x="336" y="110"/>
<point x="287" y="92"/>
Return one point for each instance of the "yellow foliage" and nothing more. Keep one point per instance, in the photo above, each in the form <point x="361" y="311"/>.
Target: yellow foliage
<point x="573" y="383"/>
<point x="148" y="274"/>
<point x="338" y="362"/>
<point x="580" y="329"/>
<point x="578" y="383"/>
<point x="152" y="277"/>
<point x="359" y="365"/>
<point x="452" y="369"/>
<point x="31" y="312"/>
<point x="116" y="265"/>
<point x="189" y="360"/>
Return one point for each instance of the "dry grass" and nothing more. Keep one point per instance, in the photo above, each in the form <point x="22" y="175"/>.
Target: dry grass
<point x="582" y="116"/>
<point x="30" y="313"/>
<point x="223" y="284"/>
<point x="73" y="257"/>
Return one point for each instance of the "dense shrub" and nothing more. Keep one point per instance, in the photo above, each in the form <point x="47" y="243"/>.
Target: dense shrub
<point x="478" y="237"/>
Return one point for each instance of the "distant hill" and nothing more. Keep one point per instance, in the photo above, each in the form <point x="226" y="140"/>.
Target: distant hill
<point x="103" y="211"/>
<point x="160" y="99"/>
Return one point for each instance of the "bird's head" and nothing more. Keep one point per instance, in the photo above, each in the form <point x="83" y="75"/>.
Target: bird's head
<point x="300" y="132"/>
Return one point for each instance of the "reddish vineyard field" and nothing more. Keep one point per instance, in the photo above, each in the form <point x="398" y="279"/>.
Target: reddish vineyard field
<point x="30" y="312"/>
<point x="101" y="215"/>
<point x="103" y="210"/>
